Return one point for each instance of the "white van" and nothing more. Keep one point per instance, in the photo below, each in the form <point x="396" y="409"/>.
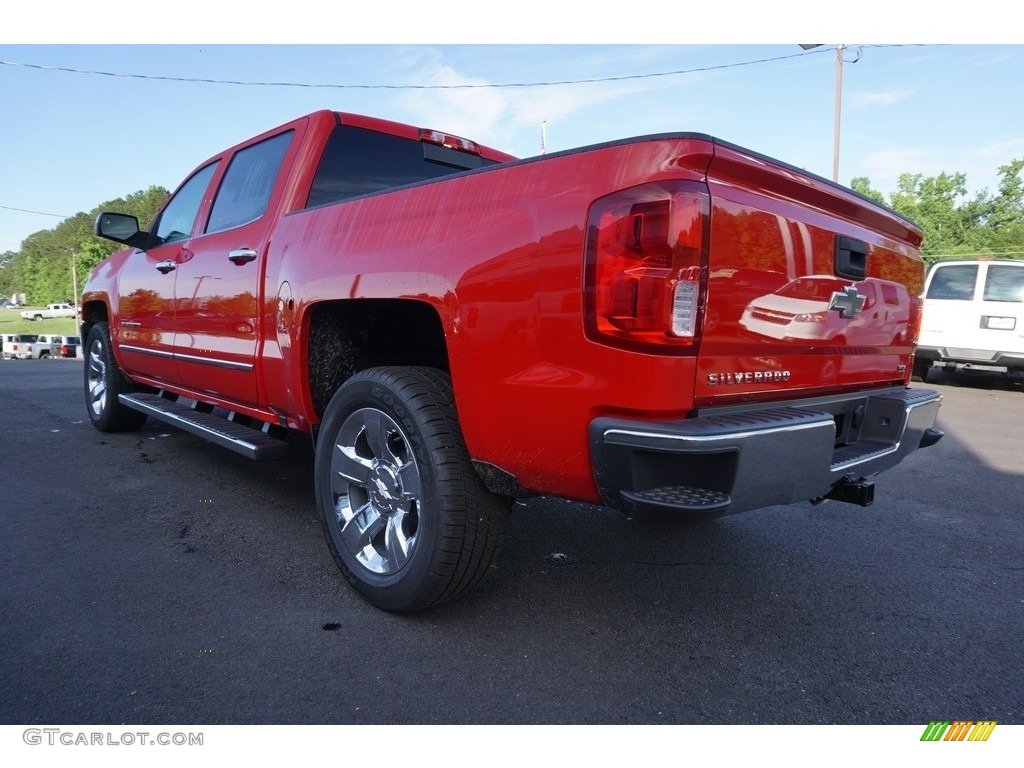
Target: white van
<point x="973" y="317"/>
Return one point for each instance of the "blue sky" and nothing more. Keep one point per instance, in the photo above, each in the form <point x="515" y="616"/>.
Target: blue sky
<point x="79" y="139"/>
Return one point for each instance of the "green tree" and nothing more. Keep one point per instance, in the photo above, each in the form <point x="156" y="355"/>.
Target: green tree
<point x="862" y="185"/>
<point x="42" y="268"/>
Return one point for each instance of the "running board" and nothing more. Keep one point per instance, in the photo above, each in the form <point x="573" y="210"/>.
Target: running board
<point x="251" y="443"/>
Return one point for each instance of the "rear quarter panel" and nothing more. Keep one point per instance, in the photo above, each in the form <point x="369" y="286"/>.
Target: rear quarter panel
<point x="498" y="254"/>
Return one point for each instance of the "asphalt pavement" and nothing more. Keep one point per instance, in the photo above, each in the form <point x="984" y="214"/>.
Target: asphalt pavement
<point x="150" y="577"/>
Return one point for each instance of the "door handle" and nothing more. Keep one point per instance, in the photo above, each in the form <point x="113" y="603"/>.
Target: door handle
<point x="166" y="266"/>
<point x="242" y="255"/>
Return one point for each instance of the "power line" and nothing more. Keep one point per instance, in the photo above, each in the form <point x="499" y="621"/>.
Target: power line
<point x="610" y="79"/>
<point x="41" y="213"/>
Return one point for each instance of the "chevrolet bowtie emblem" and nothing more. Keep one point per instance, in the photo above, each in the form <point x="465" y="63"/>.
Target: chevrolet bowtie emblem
<point x="846" y="302"/>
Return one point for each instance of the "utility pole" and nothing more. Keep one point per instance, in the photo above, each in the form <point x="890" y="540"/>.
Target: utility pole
<point x="543" y="136"/>
<point x="839" y="104"/>
<point x="74" y="277"/>
<point x="839" y="110"/>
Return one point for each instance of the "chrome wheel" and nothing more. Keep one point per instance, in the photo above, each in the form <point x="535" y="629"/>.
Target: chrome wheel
<point x="376" y="488"/>
<point x="104" y="381"/>
<point x="96" y="380"/>
<point x="404" y="513"/>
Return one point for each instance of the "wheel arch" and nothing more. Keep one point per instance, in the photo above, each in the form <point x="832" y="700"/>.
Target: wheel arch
<point x="347" y="336"/>
<point x="93" y="311"/>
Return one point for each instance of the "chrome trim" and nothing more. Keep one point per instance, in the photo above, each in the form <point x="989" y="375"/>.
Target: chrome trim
<point x="242" y="255"/>
<point x="211" y="361"/>
<point x="145" y="351"/>
<point x="888" y="450"/>
<point x="189" y="358"/>
<point x="723" y="436"/>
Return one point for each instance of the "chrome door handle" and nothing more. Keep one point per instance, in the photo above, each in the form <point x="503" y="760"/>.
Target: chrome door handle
<point x="242" y="255"/>
<point x="166" y="266"/>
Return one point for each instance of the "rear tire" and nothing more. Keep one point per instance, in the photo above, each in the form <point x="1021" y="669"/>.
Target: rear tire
<point x="104" y="381"/>
<point x="406" y="517"/>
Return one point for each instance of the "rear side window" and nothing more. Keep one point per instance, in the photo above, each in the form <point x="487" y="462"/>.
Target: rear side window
<point x="1004" y="282"/>
<point x="245" y="190"/>
<point x="955" y="282"/>
<point x="357" y="161"/>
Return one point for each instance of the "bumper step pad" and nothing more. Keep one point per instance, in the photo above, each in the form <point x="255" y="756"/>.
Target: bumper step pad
<point x="680" y="498"/>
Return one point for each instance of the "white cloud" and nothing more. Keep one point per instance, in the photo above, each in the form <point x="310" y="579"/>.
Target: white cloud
<point x="510" y="118"/>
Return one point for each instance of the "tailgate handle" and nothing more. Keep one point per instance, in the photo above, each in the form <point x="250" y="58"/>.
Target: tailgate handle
<point x="851" y="258"/>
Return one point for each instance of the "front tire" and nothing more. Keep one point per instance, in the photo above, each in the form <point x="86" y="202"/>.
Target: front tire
<point x="405" y="516"/>
<point x="104" y="381"/>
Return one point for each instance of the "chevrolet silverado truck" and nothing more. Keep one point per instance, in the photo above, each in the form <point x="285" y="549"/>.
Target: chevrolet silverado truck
<point x="455" y="328"/>
<point x="51" y="311"/>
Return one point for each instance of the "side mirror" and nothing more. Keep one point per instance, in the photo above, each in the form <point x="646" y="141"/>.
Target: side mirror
<point x="122" y="228"/>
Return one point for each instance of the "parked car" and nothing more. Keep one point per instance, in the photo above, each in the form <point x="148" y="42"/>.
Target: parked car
<point x="64" y="346"/>
<point x="19" y="346"/>
<point x="61" y="309"/>
<point x="41" y="346"/>
<point x="973" y="317"/>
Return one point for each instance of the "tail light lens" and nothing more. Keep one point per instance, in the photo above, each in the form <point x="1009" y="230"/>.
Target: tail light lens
<point x="916" y="316"/>
<point x="645" y="267"/>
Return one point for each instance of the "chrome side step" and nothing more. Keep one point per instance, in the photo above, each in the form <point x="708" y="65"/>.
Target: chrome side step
<point x="251" y="443"/>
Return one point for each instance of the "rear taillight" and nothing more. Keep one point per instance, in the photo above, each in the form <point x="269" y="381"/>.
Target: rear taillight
<point x="645" y="265"/>
<point x="916" y="315"/>
<point x="63" y="350"/>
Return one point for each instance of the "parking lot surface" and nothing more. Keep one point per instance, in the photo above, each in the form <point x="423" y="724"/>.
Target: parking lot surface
<point x="149" y="577"/>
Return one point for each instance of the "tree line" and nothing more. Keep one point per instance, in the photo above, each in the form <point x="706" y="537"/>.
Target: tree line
<point x="42" y="267"/>
<point x="955" y="226"/>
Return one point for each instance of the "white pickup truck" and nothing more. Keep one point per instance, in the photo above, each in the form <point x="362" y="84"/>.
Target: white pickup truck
<point x="52" y="310"/>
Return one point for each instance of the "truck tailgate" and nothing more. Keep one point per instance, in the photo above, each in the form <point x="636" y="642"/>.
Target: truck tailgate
<point x="811" y="289"/>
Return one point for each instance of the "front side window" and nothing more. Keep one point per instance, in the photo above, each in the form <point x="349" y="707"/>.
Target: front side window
<point x="179" y="215"/>
<point x="245" y="190"/>
<point x="1005" y="282"/>
<point x="954" y="282"/>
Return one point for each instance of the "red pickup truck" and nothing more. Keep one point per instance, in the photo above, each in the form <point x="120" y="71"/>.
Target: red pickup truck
<point x="456" y="327"/>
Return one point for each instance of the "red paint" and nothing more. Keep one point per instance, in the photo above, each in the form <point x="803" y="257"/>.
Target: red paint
<point x="499" y="255"/>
